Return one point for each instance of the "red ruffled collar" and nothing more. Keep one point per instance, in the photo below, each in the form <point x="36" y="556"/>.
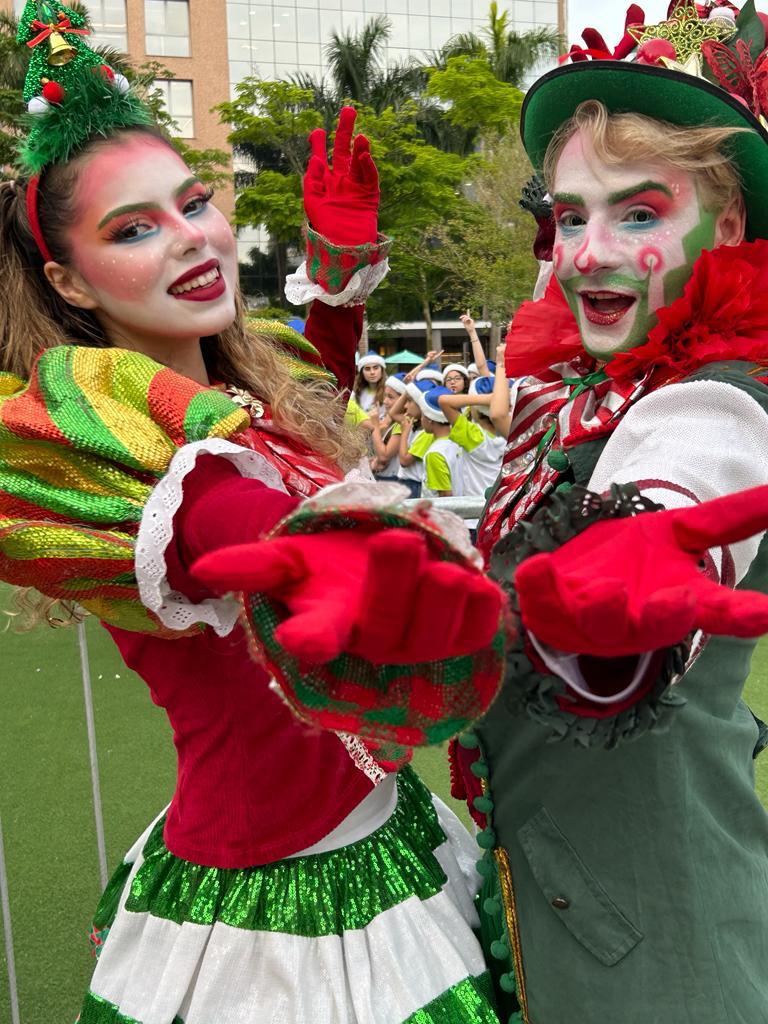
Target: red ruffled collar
<point x="722" y="314"/>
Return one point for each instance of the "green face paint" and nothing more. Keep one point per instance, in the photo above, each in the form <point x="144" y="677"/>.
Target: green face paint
<point x="627" y="238"/>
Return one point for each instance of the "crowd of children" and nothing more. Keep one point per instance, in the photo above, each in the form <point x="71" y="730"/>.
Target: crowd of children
<point x="440" y="431"/>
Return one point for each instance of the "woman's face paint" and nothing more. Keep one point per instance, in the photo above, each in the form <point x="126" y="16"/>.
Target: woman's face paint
<point x="158" y="259"/>
<point x="627" y="238"/>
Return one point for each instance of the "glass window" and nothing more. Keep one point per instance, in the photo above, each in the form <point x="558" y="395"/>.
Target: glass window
<point x="108" y="23"/>
<point x="375" y="6"/>
<point x="309" y="56"/>
<point x="166" y="24"/>
<point x="285" y="53"/>
<point x="441" y="8"/>
<point x="285" y="24"/>
<point x="260" y="17"/>
<point x="523" y="10"/>
<point x="418" y="6"/>
<point x="399" y="36"/>
<point x="177" y="99"/>
<point x="419" y="32"/>
<point x="546" y="13"/>
<point x="237" y="22"/>
<point x="307" y="27"/>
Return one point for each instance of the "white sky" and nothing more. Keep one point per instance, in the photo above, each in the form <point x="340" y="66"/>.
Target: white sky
<point x="607" y="16"/>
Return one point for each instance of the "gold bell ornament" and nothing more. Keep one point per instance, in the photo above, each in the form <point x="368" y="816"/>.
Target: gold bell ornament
<point x="60" y="52"/>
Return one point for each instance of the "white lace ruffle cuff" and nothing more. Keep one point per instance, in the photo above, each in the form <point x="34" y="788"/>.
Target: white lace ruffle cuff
<point x="173" y="609"/>
<point x="299" y="290"/>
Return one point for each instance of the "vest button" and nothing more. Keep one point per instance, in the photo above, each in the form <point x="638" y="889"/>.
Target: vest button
<point x="561" y="903"/>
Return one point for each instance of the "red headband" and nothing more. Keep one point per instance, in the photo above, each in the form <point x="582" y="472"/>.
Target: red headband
<point x="33" y="186"/>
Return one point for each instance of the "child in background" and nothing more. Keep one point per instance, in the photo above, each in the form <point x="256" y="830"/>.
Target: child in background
<point x="414" y="441"/>
<point x="481" y="442"/>
<point x="368" y="389"/>
<point x="456" y="378"/>
<point x="443" y="471"/>
<point x="386" y="430"/>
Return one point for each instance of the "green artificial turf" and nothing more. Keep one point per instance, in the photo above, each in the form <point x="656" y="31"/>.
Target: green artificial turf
<point x="45" y="799"/>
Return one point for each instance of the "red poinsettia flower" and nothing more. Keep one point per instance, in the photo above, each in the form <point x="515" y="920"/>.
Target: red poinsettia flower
<point x="722" y="314"/>
<point x="542" y="334"/>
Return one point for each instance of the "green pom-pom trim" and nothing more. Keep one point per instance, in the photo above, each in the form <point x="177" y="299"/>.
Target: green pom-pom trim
<point x="93" y="107"/>
<point x="537" y="694"/>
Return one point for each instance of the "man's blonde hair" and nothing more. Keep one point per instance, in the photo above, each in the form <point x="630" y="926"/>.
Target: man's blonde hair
<point x="619" y="138"/>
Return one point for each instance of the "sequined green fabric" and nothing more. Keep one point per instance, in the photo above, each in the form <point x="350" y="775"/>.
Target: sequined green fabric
<point x="470" y="1000"/>
<point x="99" y="1011"/>
<point x="326" y="894"/>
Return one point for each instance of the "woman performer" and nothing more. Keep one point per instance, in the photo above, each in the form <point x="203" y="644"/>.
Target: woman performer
<point x="295" y="876"/>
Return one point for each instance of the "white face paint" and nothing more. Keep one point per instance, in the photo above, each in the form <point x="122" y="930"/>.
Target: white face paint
<point x="158" y="258"/>
<point x="627" y="238"/>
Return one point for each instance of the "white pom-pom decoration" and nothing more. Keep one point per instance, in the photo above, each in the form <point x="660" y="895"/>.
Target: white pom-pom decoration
<point x="121" y="83"/>
<point x="38" y="105"/>
<point x="722" y="14"/>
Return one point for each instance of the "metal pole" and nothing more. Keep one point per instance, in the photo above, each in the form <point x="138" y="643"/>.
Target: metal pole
<point x="93" y="753"/>
<point x="6" y="905"/>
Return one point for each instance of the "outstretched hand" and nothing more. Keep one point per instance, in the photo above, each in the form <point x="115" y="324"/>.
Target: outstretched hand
<point x="342" y="200"/>
<point x="625" y="586"/>
<point x="380" y="596"/>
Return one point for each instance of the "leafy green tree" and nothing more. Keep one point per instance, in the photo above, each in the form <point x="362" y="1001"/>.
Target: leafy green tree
<point x="476" y="100"/>
<point x="511" y="55"/>
<point x="491" y="238"/>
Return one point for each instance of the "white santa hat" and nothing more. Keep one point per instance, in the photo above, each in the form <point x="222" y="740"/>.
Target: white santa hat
<point x="372" y="359"/>
<point x="429" y="374"/>
<point x="397" y="384"/>
<point x="457" y="367"/>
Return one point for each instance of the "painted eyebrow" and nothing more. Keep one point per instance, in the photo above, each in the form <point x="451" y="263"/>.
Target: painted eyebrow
<point x="139" y="207"/>
<point x="568" y="197"/>
<point x="644" y="186"/>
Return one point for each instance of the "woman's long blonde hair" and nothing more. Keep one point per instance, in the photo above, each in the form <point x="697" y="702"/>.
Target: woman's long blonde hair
<point x="617" y="138"/>
<point x="34" y="317"/>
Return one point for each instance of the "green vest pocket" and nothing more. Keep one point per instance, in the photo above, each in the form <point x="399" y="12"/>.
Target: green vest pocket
<point x="573" y="892"/>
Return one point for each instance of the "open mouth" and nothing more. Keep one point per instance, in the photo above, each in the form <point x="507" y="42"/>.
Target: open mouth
<point x="201" y="284"/>
<point x="606" y="308"/>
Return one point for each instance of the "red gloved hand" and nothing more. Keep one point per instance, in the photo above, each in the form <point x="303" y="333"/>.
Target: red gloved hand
<point x="379" y="596"/>
<point x="625" y="586"/>
<point x="342" y="202"/>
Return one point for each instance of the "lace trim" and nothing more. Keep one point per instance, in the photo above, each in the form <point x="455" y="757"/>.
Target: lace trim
<point x="173" y="609"/>
<point x="355" y="491"/>
<point x="299" y="290"/>
<point x="362" y="758"/>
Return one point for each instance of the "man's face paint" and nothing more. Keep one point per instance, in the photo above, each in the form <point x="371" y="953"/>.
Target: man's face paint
<point x="627" y="238"/>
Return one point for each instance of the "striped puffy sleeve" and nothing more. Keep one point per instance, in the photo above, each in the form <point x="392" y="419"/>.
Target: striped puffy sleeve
<point x="82" y="445"/>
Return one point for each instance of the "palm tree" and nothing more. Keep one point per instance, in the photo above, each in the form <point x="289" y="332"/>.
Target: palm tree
<point x="357" y="73"/>
<point x="511" y="55"/>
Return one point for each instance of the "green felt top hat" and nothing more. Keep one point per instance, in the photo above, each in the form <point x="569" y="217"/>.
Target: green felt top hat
<point x="672" y="90"/>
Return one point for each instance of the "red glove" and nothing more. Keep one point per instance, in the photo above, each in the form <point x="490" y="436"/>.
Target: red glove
<point x="625" y="586"/>
<point x="379" y="596"/>
<point x="342" y="202"/>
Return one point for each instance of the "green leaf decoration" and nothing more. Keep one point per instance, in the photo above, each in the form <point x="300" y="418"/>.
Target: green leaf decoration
<point x="750" y="28"/>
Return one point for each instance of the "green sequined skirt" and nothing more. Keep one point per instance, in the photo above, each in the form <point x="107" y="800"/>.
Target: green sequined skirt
<point x="379" y="932"/>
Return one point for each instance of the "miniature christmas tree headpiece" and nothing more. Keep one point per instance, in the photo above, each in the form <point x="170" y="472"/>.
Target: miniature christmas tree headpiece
<point x="72" y="96"/>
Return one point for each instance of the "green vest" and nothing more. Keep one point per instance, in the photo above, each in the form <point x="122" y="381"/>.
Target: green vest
<point x="641" y="873"/>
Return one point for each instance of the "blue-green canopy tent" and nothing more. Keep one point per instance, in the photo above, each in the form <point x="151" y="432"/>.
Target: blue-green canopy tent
<point x="405" y="358"/>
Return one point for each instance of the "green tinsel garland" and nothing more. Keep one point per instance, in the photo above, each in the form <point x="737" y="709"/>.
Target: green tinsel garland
<point x="92" y="107"/>
<point x="39" y="68"/>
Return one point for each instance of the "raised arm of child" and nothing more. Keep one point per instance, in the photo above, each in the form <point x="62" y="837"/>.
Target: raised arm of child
<point x="406" y="459"/>
<point x="477" y="349"/>
<point x="431" y="356"/>
<point x="452" y="405"/>
<point x="501" y="414"/>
